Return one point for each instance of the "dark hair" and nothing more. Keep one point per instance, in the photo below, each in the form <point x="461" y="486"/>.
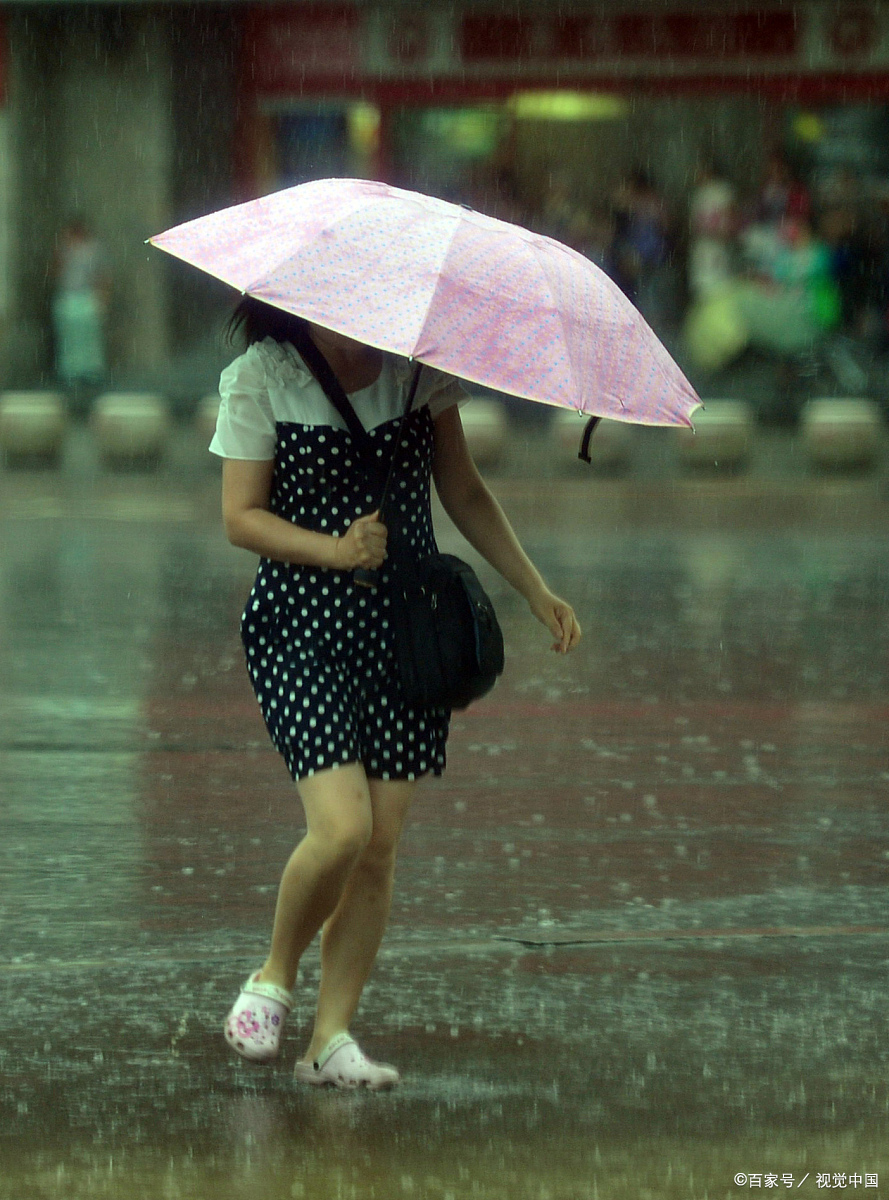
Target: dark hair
<point x="641" y="179"/>
<point x="713" y="166"/>
<point x="78" y="224"/>
<point x="255" y="320"/>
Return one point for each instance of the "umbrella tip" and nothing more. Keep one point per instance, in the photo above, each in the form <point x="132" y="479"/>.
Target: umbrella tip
<point x="690" y="417"/>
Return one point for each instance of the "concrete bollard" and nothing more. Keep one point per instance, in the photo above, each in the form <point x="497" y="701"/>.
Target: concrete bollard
<point x="841" y="433"/>
<point x="721" y="437"/>
<point x="131" y="428"/>
<point x="32" y="426"/>
<point x="205" y="418"/>
<point x="611" y="445"/>
<point x="485" y="427"/>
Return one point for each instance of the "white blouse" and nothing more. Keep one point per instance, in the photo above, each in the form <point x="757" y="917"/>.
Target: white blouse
<point x="271" y="383"/>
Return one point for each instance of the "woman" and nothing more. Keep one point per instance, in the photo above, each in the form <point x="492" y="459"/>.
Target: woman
<point x="318" y="646"/>
<point x="80" y="302"/>
<point x="712" y="230"/>
<point x="641" y="248"/>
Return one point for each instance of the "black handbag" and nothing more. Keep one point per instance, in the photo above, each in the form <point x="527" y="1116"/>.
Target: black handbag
<point x="447" y="639"/>
<point x="448" y="642"/>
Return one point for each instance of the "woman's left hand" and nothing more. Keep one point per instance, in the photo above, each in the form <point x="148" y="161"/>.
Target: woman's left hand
<point x="558" y="616"/>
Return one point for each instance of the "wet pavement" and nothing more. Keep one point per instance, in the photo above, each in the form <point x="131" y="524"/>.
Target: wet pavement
<point x="640" y="937"/>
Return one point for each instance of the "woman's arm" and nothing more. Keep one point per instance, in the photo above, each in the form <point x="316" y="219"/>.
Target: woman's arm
<point x="246" y="489"/>
<point x="474" y="510"/>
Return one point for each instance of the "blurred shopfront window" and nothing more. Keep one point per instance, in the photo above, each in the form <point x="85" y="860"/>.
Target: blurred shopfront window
<point x="446" y="150"/>
<point x="314" y="140"/>
<point x="442" y="98"/>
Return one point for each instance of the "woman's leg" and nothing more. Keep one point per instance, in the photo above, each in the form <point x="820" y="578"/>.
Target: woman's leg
<point x="339" y="822"/>
<point x="352" y="935"/>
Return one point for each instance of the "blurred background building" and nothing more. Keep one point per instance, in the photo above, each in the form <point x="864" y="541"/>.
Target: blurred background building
<point x="572" y="118"/>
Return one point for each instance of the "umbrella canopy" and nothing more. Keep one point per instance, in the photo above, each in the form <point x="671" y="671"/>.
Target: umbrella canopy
<point x="480" y="298"/>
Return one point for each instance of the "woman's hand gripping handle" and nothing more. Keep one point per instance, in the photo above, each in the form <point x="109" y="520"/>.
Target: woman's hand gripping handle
<point x="362" y="548"/>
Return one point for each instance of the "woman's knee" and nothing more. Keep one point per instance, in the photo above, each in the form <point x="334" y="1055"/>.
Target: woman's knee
<point x="339" y="843"/>
<point x="379" y="855"/>
<point x="390" y="801"/>
<point x="339" y="816"/>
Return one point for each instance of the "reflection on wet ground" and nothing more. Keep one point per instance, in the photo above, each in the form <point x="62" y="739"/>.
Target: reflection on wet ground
<point x="640" y="940"/>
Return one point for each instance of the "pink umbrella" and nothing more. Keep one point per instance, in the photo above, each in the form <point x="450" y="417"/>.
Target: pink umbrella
<point x="475" y="296"/>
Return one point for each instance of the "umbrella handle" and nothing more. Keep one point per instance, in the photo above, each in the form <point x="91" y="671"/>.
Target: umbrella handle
<point x="584" y="452"/>
<point x="366" y="578"/>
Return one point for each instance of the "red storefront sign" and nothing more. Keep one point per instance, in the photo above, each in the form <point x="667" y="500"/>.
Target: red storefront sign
<point x="802" y="53"/>
<point x="286" y="46"/>
<point x="489" y="37"/>
<point x="494" y="38"/>
<point x="853" y="30"/>
<point x="707" y="35"/>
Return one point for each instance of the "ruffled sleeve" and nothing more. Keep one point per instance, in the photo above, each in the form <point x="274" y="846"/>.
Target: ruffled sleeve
<point x="440" y="391"/>
<point x="245" y="427"/>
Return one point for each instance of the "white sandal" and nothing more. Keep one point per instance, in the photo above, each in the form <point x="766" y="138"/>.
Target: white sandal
<point x="254" y="1025"/>
<point x="341" y="1064"/>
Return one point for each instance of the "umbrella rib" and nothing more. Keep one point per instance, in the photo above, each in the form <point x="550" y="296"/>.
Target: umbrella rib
<point x="423" y="324"/>
<point x="565" y="340"/>
<point x="555" y="308"/>
<point x="561" y="318"/>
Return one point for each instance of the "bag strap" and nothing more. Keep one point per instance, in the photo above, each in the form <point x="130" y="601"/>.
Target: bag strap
<point x="333" y="389"/>
<point x="336" y="394"/>
<point x="408" y="405"/>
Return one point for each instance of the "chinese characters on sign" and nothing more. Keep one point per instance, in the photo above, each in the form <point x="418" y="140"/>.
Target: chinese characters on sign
<point x="493" y="36"/>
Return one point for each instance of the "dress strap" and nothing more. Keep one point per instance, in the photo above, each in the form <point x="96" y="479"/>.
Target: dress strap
<point x="335" y="393"/>
<point x="409" y="403"/>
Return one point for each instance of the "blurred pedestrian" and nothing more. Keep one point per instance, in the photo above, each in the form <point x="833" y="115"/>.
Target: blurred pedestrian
<point x="782" y="195"/>
<point x="789" y="310"/>
<point x="559" y="211"/>
<point x="804" y="270"/>
<point x="81" y="294"/>
<point x="781" y="202"/>
<point x="713" y="222"/>
<point x="319" y="646"/>
<point x="714" y="332"/>
<point x="593" y="236"/>
<point x="641" y="245"/>
<point x="858" y="238"/>
<point x="841" y="189"/>
<point x="880" y="242"/>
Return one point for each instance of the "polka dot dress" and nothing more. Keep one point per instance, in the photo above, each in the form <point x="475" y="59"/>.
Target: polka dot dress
<point x="319" y="647"/>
